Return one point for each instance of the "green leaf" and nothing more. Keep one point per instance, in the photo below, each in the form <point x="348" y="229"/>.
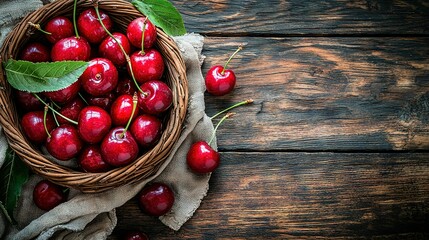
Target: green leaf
<point x="163" y="14"/>
<point x="13" y="174"/>
<point x="44" y="76"/>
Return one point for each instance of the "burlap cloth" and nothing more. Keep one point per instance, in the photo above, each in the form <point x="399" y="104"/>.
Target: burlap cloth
<point x="92" y="216"/>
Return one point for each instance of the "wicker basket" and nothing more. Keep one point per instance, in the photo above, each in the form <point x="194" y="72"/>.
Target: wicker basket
<point x="122" y="13"/>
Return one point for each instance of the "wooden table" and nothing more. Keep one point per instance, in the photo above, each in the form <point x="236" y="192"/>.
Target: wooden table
<point x="336" y="144"/>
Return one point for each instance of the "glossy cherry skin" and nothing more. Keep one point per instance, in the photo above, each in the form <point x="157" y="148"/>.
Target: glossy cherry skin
<point x="27" y="102"/>
<point x="147" y="66"/>
<point x="219" y="84"/>
<point x="64" y="143"/>
<point x="147" y="130"/>
<point x="104" y="102"/>
<point x="126" y="86"/>
<point x="34" y="128"/>
<point x="64" y="95"/>
<point x="71" y="49"/>
<point x="156" y="97"/>
<point x="100" y="77"/>
<point x="93" y="124"/>
<point x="90" y="27"/>
<point x="136" y="235"/>
<point x="90" y="160"/>
<point x="201" y="158"/>
<point x="156" y="199"/>
<point x="134" y="33"/>
<point x="60" y="27"/>
<point x="119" y="150"/>
<point x="121" y="110"/>
<point x="71" y="110"/>
<point x="109" y="49"/>
<point x="47" y="195"/>
<point x="35" y="52"/>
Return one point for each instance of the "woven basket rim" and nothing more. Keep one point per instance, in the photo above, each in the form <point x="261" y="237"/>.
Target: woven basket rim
<point x="146" y="165"/>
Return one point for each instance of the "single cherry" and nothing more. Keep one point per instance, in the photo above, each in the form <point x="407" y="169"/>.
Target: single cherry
<point x="71" y="110"/>
<point x="156" y="199"/>
<point x="156" y="97"/>
<point x="64" y="95"/>
<point x="71" y="49"/>
<point x="47" y="195"/>
<point x="90" y="160"/>
<point x="35" y="52"/>
<point x="121" y="110"/>
<point x="110" y="49"/>
<point x="135" y="235"/>
<point x="33" y="125"/>
<point x="64" y="142"/>
<point x="135" y="32"/>
<point x="104" y="102"/>
<point x="147" y="130"/>
<point x="119" y="148"/>
<point x="58" y="28"/>
<point x="125" y="86"/>
<point x="90" y="27"/>
<point x="100" y="77"/>
<point x="27" y="102"/>
<point x="93" y="124"/>
<point x="146" y="66"/>
<point x="220" y="80"/>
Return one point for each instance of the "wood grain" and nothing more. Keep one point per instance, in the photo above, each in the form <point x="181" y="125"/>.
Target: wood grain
<point x="305" y="195"/>
<point x="324" y="94"/>
<point x="295" y="17"/>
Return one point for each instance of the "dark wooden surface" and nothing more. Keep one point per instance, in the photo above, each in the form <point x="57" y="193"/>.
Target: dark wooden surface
<point x="336" y="145"/>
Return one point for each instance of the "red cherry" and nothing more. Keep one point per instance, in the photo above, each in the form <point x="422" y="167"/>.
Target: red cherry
<point x="90" y="160"/>
<point x="64" y="143"/>
<point x="156" y="199"/>
<point x="104" y="102"/>
<point x="220" y="80"/>
<point x="147" y="66"/>
<point x="147" y="130"/>
<point x="35" y="52"/>
<point x="34" y="128"/>
<point x="90" y="27"/>
<point x="60" y="27"/>
<point x="72" y="49"/>
<point x="93" y="124"/>
<point x="156" y="97"/>
<point x="126" y="86"/>
<point x="201" y="158"/>
<point x="71" y="110"/>
<point x="47" y="195"/>
<point x="218" y="83"/>
<point x="100" y="77"/>
<point x="27" y="102"/>
<point x="136" y="235"/>
<point x="134" y="33"/>
<point x="64" y="95"/>
<point x="110" y="49"/>
<point x="121" y="110"/>
<point x="119" y="148"/>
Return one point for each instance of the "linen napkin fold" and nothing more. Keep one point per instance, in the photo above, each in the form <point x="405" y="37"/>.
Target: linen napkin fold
<point x="92" y="216"/>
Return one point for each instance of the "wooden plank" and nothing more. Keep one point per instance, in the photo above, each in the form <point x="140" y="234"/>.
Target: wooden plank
<point x="295" y="17"/>
<point x="324" y="94"/>
<point x="304" y="195"/>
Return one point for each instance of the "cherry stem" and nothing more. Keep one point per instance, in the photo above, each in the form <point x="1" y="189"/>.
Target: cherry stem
<point x="56" y="120"/>
<point x="144" y="27"/>
<point x="230" y="58"/>
<point x="55" y="111"/>
<point x="135" y="100"/>
<point x="83" y="99"/>
<point x="217" y="126"/>
<point x="5" y="213"/>
<point x="122" y="49"/>
<point x="74" y="19"/>
<point x="248" y="101"/>
<point x="45" y="114"/>
<point x="37" y="26"/>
